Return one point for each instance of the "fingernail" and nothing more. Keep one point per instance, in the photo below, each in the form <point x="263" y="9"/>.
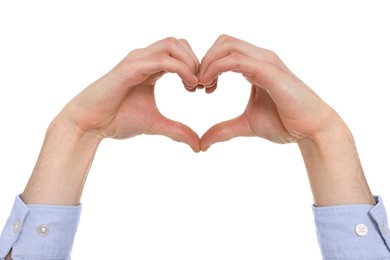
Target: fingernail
<point x="189" y="86"/>
<point x="210" y="84"/>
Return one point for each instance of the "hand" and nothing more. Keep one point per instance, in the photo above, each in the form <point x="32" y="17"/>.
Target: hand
<point x="122" y="104"/>
<point x="281" y="107"/>
<point x="119" y="105"/>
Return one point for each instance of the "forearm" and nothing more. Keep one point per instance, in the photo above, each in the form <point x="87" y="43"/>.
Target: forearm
<point x="62" y="167"/>
<point x="333" y="166"/>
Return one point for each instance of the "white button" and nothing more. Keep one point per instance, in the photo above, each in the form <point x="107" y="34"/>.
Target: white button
<point x="16" y="226"/>
<point x="43" y="230"/>
<point x="361" y="230"/>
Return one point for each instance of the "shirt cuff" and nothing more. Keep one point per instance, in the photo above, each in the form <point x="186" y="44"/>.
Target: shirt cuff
<point x="40" y="231"/>
<point x="353" y="231"/>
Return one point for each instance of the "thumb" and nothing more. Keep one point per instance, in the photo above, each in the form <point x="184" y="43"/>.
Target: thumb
<point x="176" y="131"/>
<point x="225" y="131"/>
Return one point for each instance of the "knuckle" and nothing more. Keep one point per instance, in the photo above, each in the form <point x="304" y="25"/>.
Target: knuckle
<point x="170" y="40"/>
<point x="224" y="37"/>
<point x="184" y="41"/>
<point x="272" y="54"/>
<point x="227" y="42"/>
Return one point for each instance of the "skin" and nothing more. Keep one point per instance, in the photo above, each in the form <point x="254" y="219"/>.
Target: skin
<point x="121" y="105"/>
<point x="283" y="109"/>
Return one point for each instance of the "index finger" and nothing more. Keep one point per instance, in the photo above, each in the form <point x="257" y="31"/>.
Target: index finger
<point x="224" y="46"/>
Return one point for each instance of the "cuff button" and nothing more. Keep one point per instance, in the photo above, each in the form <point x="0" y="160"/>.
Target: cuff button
<point x="17" y="226"/>
<point x="43" y="230"/>
<point x="361" y="230"/>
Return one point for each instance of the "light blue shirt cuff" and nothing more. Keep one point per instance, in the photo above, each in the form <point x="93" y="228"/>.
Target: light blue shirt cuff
<point x="353" y="231"/>
<point x="39" y="231"/>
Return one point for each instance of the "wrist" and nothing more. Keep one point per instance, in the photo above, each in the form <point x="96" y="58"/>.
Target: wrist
<point x="333" y="166"/>
<point x="61" y="126"/>
<point x="333" y="130"/>
<point x="62" y="167"/>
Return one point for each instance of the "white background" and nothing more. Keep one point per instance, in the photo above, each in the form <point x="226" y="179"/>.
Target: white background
<point x="151" y="198"/>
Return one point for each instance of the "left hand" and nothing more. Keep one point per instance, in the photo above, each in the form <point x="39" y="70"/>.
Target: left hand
<point x="122" y="103"/>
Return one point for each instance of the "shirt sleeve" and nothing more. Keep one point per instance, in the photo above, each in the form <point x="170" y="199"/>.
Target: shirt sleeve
<point x="39" y="231"/>
<point x="353" y="231"/>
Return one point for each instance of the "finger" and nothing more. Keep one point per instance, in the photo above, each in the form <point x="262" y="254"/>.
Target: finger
<point x="233" y="62"/>
<point x="225" y="131"/>
<point x="261" y="73"/>
<point x="189" y="88"/>
<point x="194" y="88"/>
<point x="212" y="87"/>
<point x="137" y="71"/>
<point x="191" y="52"/>
<point x="224" y="46"/>
<point x="200" y="86"/>
<point x="176" y="131"/>
<point x="176" y="49"/>
<point x="195" y="59"/>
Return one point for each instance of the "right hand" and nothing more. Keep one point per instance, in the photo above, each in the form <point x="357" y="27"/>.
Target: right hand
<point x="281" y="107"/>
<point x="122" y="104"/>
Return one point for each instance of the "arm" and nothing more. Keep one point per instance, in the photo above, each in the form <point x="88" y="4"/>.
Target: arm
<point x="334" y="170"/>
<point x="282" y="109"/>
<point x="63" y="164"/>
<point x="119" y="105"/>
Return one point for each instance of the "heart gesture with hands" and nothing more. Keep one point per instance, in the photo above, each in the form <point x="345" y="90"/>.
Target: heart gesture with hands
<point x="281" y="108"/>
